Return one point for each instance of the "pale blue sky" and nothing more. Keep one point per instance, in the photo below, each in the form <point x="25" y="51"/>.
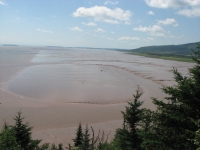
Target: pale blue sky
<point x="124" y="24"/>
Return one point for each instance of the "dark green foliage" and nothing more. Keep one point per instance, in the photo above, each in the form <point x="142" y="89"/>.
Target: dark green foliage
<point x="174" y="122"/>
<point x="43" y="147"/>
<point x="18" y="137"/>
<point x="79" y="136"/>
<point x="22" y="133"/>
<point x="53" y="147"/>
<point x="8" y="140"/>
<point x="128" y="137"/>
<point x="86" y="140"/>
<point x="183" y="49"/>
<point x="197" y="137"/>
<point x="60" y="146"/>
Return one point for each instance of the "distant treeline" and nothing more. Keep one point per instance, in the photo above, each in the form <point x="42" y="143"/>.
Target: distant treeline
<point x="183" y="49"/>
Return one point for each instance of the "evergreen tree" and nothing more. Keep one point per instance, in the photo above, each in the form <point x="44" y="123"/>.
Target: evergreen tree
<point x="197" y="137"/>
<point x="79" y="136"/>
<point x="22" y="132"/>
<point x="60" y="146"/>
<point x="128" y="137"/>
<point x="86" y="140"/>
<point x="8" y="140"/>
<point x="176" y="115"/>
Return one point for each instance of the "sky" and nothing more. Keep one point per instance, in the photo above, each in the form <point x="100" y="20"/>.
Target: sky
<point x="124" y="24"/>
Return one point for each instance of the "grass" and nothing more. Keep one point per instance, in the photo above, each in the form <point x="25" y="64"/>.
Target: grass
<point x="182" y="58"/>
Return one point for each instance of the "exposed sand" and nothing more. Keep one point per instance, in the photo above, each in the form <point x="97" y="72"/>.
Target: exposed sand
<point x="55" y="118"/>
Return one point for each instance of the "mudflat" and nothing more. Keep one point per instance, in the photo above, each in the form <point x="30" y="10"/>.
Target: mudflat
<point x="56" y="88"/>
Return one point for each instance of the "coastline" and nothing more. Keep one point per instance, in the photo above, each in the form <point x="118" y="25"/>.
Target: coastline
<point x="56" y="122"/>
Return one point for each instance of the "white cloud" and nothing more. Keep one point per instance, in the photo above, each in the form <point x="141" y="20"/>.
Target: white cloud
<point x="89" y="24"/>
<point x="148" y="39"/>
<point x="111" y="21"/>
<point x="194" y="12"/>
<point x="173" y="36"/>
<point x="189" y="8"/>
<point x="2" y="3"/>
<point x="172" y="3"/>
<point x="155" y="30"/>
<point x="102" y="13"/>
<point x="45" y="31"/>
<point x="126" y="38"/>
<point x="127" y="23"/>
<point x="151" y="13"/>
<point x="177" y="37"/>
<point x="168" y="21"/>
<point x="110" y="2"/>
<point x="76" y="29"/>
<point x="99" y="30"/>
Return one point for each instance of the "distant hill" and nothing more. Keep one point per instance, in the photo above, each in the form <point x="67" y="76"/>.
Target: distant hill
<point x="9" y="45"/>
<point x="183" y="49"/>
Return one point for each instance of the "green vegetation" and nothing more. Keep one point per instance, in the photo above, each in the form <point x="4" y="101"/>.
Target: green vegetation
<point x="182" y="58"/>
<point x="173" y="126"/>
<point x="168" y="52"/>
<point x="197" y="137"/>
<point x="79" y="136"/>
<point x="183" y="49"/>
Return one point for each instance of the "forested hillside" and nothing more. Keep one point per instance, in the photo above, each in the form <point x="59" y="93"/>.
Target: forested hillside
<point x="184" y="49"/>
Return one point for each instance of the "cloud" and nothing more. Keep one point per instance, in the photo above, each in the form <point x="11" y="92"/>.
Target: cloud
<point x="155" y="30"/>
<point x="101" y="13"/>
<point x="2" y="3"/>
<point x="151" y="13"/>
<point x="168" y="21"/>
<point x="148" y="39"/>
<point x="127" y="23"/>
<point x="112" y="3"/>
<point x="188" y="8"/>
<point x="99" y="30"/>
<point x="172" y="3"/>
<point x="76" y="29"/>
<point x="175" y="37"/>
<point x="45" y="31"/>
<point x="89" y="24"/>
<point x="126" y="38"/>
<point x="194" y="12"/>
<point x="111" y="21"/>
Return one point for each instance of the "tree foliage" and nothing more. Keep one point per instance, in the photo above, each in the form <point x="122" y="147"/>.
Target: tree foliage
<point x="79" y="136"/>
<point x="174" y="122"/>
<point x="128" y="137"/>
<point x="197" y="137"/>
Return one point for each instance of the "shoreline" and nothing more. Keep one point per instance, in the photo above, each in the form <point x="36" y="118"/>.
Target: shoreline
<point x="59" y="119"/>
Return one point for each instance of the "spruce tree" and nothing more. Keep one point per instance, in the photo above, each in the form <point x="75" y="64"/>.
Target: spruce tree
<point x="197" y="137"/>
<point x="22" y="132"/>
<point x="79" y="136"/>
<point x="8" y="140"/>
<point x="128" y="136"/>
<point x="86" y="140"/>
<point x="176" y="115"/>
